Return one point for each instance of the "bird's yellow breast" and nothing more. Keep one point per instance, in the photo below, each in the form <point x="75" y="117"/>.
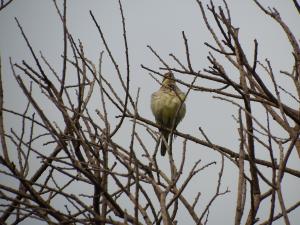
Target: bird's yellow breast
<point x="165" y="105"/>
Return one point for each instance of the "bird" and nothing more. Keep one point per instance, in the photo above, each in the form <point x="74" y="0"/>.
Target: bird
<point x="168" y="107"/>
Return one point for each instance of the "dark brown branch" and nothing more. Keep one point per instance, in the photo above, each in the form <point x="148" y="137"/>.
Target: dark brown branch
<point x="4" y="4"/>
<point x="2" y="129"/>
<point x="187" y="52"/>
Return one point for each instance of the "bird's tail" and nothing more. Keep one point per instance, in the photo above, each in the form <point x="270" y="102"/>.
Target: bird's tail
<point x="163" y="148"/>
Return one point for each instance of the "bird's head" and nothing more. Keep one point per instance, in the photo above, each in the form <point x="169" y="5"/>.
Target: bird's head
<point x="169" y="80"/>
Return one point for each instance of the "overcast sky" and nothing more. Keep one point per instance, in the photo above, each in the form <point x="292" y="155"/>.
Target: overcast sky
<point x="159" y="24"/>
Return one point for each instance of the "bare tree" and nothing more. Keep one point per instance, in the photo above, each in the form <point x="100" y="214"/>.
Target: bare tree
<point x="80" y="148"/>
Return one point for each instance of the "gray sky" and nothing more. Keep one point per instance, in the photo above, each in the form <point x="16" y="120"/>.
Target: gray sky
<point x="159" y="24"/>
